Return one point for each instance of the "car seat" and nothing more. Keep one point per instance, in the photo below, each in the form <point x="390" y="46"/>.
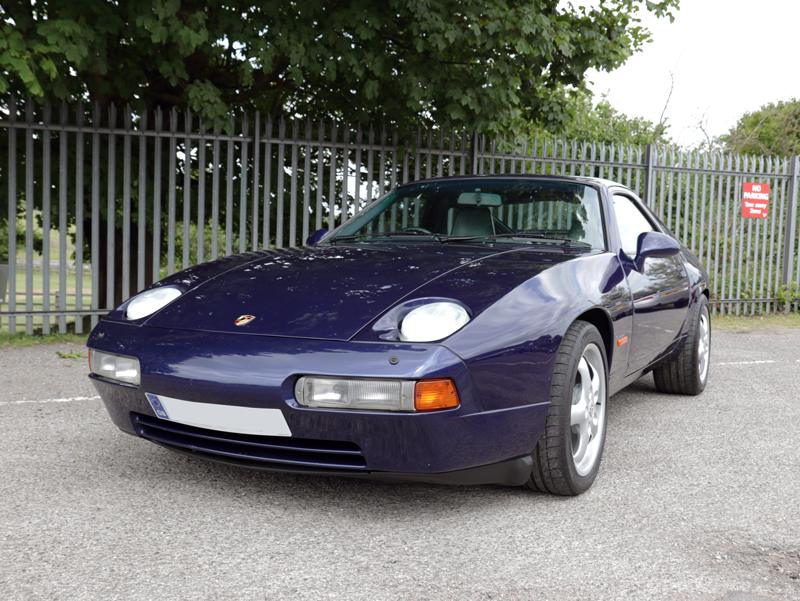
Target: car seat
<point x="576" y="230"/>
<point x="473" y="221"/>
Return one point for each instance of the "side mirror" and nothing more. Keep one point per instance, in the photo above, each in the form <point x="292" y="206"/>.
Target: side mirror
<point x="316" y="237"/>
<point x="655" y="244"/>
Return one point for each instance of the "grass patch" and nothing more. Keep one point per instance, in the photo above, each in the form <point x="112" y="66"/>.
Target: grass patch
<point x="72" y="355"/>
<point x="23" y="339"/>
<point x="752" y="322"/>
<point x="38" y="297"/>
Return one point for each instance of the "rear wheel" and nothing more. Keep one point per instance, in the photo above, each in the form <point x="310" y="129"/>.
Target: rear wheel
<point x="567" y="457"/>
<point x="688" y="373"/>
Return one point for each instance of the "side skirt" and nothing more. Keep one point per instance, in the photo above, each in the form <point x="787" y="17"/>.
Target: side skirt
<point x="618" y="380"/>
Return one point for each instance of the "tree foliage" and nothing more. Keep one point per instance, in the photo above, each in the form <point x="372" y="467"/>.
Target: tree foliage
<point x="772" y="130"/>
<point x="598" y="121"/>
<point x="488" y="67"/>
<point x="491" y="67"/>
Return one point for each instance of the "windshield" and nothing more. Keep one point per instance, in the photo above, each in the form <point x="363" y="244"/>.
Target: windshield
<point x="485" y="210"/>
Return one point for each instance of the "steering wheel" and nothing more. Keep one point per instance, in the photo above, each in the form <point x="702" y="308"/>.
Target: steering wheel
<point x="416" y="230"/>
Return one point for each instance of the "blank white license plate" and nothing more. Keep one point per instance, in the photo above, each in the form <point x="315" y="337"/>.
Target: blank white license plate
<point x="225" y="418"/>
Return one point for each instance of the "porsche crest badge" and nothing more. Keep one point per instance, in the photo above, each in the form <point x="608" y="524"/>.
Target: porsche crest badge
<point x="244" y="320"/>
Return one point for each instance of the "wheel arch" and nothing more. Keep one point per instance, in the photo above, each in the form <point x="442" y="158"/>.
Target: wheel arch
<point x="601" y="320"/>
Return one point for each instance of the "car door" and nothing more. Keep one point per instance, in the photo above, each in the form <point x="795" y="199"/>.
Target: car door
<point x="660" y="290"/>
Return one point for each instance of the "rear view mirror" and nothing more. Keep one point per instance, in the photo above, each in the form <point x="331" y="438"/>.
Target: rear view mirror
<point x="655" y="244"/>
<point x="479" y="199"/>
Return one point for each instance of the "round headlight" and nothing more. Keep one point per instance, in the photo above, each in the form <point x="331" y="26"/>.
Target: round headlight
<point x="433" y="321"/>
<point x="150" y="301"/>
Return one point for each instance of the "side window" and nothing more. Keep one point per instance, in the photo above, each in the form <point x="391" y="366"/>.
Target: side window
<point x="631" y="222"/>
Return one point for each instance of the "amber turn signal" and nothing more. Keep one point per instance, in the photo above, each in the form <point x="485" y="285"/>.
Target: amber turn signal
<point x="432" y="395"/>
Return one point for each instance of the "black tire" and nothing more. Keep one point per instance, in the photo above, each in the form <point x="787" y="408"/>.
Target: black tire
<point x="688" y="372"/>
<point x="554" y="459"/>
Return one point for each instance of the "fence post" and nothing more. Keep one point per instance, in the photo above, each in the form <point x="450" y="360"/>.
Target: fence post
<point x="12" y="216"/>
<point x="474" y="165"/>
<point x="648" y="196"/>
<point x="791" y="221"/>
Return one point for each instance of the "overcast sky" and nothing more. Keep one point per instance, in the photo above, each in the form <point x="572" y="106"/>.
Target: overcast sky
<point x="727" y="57"/>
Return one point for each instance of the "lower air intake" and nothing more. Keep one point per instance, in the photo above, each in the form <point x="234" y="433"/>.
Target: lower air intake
<point x="262" y="452"/>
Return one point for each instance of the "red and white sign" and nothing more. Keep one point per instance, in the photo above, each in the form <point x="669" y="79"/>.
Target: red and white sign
<point x="755" y="201"/>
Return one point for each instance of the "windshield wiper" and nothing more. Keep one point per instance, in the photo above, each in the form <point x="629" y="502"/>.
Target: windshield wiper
<point x="443" y="238"/>
<point x="522" y="235"/>
<point x="398" y="234"/>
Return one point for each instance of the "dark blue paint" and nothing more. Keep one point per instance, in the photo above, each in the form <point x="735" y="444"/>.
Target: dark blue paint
<point x="324" y="293"/>
<point x="316" y="237"/>
<point x="334" y="310"/>
<point x="655" y="244"/>
<point x="194" y="276"/>
<point x="258" y="371"/>
<point x="512" y="360"/>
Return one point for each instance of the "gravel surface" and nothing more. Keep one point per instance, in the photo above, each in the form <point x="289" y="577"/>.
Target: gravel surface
<point x="698" y="498"/>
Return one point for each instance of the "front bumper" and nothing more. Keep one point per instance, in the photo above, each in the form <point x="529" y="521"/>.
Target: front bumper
<point x="260" y="372"/>
<point x="310" y="457"/>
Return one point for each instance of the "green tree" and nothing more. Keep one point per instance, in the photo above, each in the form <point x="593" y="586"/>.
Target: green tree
<point x="601" y="122"/>
<point x="598" y="121"/>
<point x="488" y="67"/>
<point x="772" y="130"/>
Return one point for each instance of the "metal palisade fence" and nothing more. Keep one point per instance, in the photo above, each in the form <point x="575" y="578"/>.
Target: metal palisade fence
<point x="100" y="204"/>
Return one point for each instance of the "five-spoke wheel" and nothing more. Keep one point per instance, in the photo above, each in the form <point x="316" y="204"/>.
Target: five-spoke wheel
<point x="567" y="456"/>
<point x="588" y="415"/>
<point x="704" y="345"/>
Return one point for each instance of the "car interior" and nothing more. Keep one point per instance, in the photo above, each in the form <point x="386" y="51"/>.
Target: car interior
<point x="548" y="210"/>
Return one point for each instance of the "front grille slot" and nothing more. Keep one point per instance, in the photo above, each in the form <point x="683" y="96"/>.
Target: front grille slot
<point x="278" y="452"/>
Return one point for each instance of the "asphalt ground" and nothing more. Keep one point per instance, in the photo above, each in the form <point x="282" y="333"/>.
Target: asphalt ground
<point x="697" y="498"/>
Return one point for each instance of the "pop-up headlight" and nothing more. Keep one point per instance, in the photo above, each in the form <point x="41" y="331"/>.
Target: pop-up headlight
<point x="150" y="301"/>
<point x="433" y="321"/>
<point x="114" y="367"/>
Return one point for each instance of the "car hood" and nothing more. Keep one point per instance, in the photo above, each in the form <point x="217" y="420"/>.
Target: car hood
<point x="333" y="292"/>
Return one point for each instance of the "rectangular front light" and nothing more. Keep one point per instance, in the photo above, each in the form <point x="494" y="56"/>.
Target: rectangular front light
<point x="369" y="395"/>
<point x="114" y="367"/>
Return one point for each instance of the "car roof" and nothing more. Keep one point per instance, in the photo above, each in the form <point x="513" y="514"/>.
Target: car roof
<point x="517" y="176"/>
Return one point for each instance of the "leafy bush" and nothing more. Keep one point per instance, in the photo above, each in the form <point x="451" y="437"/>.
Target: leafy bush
<point x="4" y="229"/>
<point x="788" y="294"/>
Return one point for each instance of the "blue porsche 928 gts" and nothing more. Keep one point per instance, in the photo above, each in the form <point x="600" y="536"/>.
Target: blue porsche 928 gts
<point x="461" y="330"/>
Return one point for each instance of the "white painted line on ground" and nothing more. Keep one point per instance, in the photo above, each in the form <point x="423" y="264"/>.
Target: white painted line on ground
<point x="744" y="362"/>
<point x="69" y="400"/>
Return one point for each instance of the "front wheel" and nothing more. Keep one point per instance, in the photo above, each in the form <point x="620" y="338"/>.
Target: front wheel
<point x="567" y="457"/>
